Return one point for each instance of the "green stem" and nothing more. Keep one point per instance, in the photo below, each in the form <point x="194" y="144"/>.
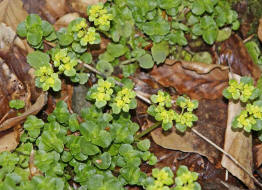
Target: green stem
<point x="128" y="61"/>
<point x="148" y="130"/>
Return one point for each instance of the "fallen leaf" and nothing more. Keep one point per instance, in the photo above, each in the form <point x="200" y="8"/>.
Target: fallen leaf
<point x="211" y="122"/>
<point x="12" y="13"/>
<point x="185" y="78"/>
<point x="258" y="155"/>
<point x="81" y="5"/>
<point x="9" y="139"/>
<point x="54" y="9"/>
<point x="259" y="33"/>
<point x="234" y="53"/>
<point x="65" y="20"/>
<point x="16" y="82"/>
<point x="239" y="145"/>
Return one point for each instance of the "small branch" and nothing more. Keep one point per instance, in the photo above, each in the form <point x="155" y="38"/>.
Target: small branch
<point x="248" y="38"/>
<point x="228" y="155"/>
<point x="128" y="61"/>
<point x="148" y="130"/>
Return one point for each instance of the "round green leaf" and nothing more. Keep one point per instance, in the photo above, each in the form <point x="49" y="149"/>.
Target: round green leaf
<point x="146" y="61"/>
<point x="21" y="29"/>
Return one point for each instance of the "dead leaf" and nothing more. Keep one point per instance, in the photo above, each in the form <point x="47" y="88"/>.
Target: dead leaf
<point x="239" y="145"/>
<point x="258" y="155"/>
<point x="185" y="78"/>
<point x="16" y="82"/>
<point x="9" y="139"/>
<point x="12" y="13"/>
<point x="260" y="30"/>
<point x="211" y="122"/>
<point x="234" y="53"/>
<point x="81" y="5"/>
<point x="54" y="9"/>
<point x="33" y="110"/>
<point x="65" y="20"/>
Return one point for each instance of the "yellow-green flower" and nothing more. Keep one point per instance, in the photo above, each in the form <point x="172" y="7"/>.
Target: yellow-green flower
<point x="46" y="78"/>
<point x="124" y="98"/>
<point x="89" y="37"/>
<point x="162" y="99"/>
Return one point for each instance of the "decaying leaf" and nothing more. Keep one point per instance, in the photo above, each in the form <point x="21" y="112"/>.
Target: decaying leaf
<point x="12" y="12"/>
<point x="16" y="82"/>
<point x="54" y="9"/>
<point x="260" y="30"/>
<point x="81" y="5"/>
<point x="234" y="53"/>
<point x="65" y="20"/>
<point x="211" y="122"/>
<point x="239" y="145"/>
<point x="185" y="78"/>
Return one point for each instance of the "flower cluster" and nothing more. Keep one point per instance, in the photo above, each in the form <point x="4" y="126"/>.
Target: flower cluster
<point x="162" y="101"/>
<point x="119" y="99"/>
<point x="124" y="100"/>
<point x="46" y="78"/>
<point x="100" y="16"/>
<point x="186" y="179"/>
<point x="243" y="90"/>
<point x="250" y="118"/>
<point x="163" y="178"/>
<point x="186" y="118"/>
<point x="64" y="62"/>
<point x="101" y="92"/>
<point x="83" y="34"/>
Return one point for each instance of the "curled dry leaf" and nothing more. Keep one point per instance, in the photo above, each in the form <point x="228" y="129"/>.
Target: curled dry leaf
<point x="16" y="82"/>
<point x="239" y="145"/>
<point x="234" y="53"/>
<point x="260" y="30"/>
<point x="12" y="13"/>
<point x="65" y="20"/>
<point x="185" y="78"/>
<point x="81" y="5"/>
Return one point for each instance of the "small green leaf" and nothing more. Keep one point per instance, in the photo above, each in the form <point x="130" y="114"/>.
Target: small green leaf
<point x="21" y="29"/>
<point x="105" y="67"/>
<point x="47" y="28"/>
<point x="34" y="38"/>
<point x="146" y="61"/>
<point x="38" y="59"/>
<point x="210" y="35"/>
<point x="86" y="57"/>
<point x="102" y="161"/>
<point x="198" y="7"/>
<point x="143" y="145"/>
<point x="17" y="104"/>
<point x="160" y="51"/>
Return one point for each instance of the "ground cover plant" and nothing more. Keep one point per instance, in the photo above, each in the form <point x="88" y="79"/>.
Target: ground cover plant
<point x="106" y="144"/>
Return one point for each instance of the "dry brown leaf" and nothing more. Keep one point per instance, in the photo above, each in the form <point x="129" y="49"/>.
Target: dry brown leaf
<point x="54" y="9"/>
<point x="211" y="122"/>
<point x="65" y="20"/>
<point x="9" y="139"/>
<point x="260" y="30"/>
<point x="234" y="53"/>
<point x="186" y="79"/>
<point x="239" y="145"/>
<point x="81" y="5"/>
<point x="12" y="13"/>
<point x="258" y="155"/>
<point x="33" y="110"/>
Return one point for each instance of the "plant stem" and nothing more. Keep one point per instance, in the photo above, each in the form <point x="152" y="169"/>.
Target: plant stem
<point x="128" y="61"/>
<point x="193" y="130"/>
<point x="148" y="130"/>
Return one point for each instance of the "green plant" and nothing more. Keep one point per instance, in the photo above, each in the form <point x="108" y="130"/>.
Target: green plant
<point x="250" y="118"/>
<point x="16" y="104"/>
<point x="186" y="179"/>
<point x="254" y="52"/>
<point x="160" y="110"/>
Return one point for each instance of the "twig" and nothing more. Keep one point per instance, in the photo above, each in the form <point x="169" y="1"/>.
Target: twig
<point x="193" y="130"/>
<point x="228" y="155"/>
<point x="128" y="61"/>
<point x="248" y="38"/>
